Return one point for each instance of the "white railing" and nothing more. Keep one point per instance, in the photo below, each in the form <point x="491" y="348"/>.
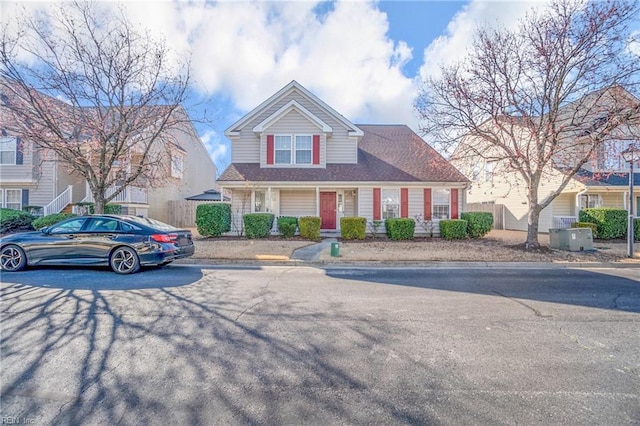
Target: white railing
<point x="563" y="222"/>
<point x="60" y="202"/>
<point x="130" y="194"/>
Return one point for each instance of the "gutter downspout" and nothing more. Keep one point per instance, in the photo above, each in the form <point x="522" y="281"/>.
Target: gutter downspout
<point x="578" y="204"/>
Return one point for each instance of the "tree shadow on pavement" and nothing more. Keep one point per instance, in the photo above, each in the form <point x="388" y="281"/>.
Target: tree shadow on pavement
<point x="212" y="352"/>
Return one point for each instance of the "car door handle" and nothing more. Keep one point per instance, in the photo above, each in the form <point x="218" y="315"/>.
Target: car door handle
<point x="71" y="236"/>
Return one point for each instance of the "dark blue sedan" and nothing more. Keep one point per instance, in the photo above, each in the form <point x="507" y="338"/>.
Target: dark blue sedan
<point x="122" y="242"/>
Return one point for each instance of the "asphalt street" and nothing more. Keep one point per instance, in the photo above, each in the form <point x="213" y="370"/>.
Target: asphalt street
<point x="308" y="345"/>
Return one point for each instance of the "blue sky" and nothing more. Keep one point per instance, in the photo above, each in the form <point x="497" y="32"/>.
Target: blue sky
<point x="364" y="58"/>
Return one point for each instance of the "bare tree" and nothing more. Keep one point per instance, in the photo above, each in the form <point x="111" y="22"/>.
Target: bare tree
<point x="539" y="101"/>
<point x="95" y="92"/>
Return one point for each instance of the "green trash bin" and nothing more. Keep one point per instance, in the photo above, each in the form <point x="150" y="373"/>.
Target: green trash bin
<point x="335" y="249"/>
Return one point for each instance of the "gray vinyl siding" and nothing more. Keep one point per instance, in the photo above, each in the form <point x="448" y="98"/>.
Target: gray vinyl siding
<point x="293" y="123"/>
<point x="298" y="203"/>
<point x="20" y="172"/>
<point x="338" y="148"/>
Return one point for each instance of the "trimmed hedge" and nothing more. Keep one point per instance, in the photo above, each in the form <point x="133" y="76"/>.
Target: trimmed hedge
<point x="611" y="223"/>
<point x="400" y="228"/>
<point x="258" y="225"/>
<point x="51" y="219"/>
<point x="478" y="223"/>
<point x="636" y="229"/>
<point x="213" y="220"/>
<point x="14" y="221"/>
<point x="287" y="226"/>
<point x="310" y="227"/>
<point x="593" y="226"/>
<point x="108" y="208"/>
<point x="453" y="229"/>
<point x="353" y="228"/>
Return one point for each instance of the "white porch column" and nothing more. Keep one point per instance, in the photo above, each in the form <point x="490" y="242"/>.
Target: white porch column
<point x="317" y="201"/>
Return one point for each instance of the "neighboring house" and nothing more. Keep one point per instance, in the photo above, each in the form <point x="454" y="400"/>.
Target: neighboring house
<point x="294" y="155"/>
<point x="32" y="176"/>
<point x="602" y="182"/>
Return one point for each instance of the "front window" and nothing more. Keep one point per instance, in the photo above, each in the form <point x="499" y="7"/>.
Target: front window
<point x="590" y="201"/>
<point x="8" y="151"/>
<point x="260" y="204"/>
<point x="390" y="203"/>
<point x="283" y="149"/>
<point x="441" y="201"/>
<point x="13" y="199"/>
<point x="303" y="149"/>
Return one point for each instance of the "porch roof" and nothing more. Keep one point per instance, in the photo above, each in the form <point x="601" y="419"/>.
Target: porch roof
<point x="590" y="178"/>
<point x="386" y="153"/>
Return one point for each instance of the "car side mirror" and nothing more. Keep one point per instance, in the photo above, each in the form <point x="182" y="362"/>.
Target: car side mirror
<point x="45" y="230"/>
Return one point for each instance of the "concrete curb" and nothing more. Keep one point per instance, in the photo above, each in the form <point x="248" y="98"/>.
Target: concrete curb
<point x="417" y="264"/>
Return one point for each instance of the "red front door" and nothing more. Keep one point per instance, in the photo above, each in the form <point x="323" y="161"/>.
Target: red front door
<point x="328" y="210"/>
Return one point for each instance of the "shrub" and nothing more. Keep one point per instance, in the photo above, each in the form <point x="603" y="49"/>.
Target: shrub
<point x="400" y="228"/>
<point x="478" y="223"/>
<point x="51" y="219"/>
<point x="213" y="220"/>
<point x="593" y="226"/>
<point x="611" y="223"/>
<point x="108" y="208"/>
<point x="287" y="226"/>
<point x="636" y="229"/>
<point x="14" y="221"/>
<point x="310" y="227"/>
<point x="353" y="228"/>
<point x="258" y="225"/>
<point x="374" y="226"/>
<point x="454" y="229"/>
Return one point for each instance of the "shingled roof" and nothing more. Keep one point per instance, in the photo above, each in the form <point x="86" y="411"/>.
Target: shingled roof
<point x="386" y="153"/>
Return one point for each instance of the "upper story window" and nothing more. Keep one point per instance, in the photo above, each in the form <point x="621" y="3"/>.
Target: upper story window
<point x="283" y="149"/>
<point x="177" y="166"/>
<point x="8" y="149"/>
<point x="609" y="155"/>
<point x="390" y="203"/>
<point x="293" y="149"/>
<point x="488" y="171"/>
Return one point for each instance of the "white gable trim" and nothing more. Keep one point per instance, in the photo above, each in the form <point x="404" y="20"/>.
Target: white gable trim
<point x="291" y="106"/>
<point x="233" y="130"/>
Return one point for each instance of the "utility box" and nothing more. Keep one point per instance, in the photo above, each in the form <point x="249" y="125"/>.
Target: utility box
<point x="335" y="249"/>
<point x="572" y="239"/>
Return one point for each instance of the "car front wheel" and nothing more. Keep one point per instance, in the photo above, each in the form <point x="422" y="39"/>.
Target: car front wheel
<point x="124" y="260"/>
<point x="12" y="259"/>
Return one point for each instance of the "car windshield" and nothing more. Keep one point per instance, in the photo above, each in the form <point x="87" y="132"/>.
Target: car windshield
<point x="153" y="223"/>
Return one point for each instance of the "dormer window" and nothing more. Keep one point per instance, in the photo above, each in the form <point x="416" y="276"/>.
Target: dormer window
<point x="294" y="150"/>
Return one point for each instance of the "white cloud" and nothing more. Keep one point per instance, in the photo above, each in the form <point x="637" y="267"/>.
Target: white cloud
<point x="216" y="147"/>
<point x="454" y="45"/>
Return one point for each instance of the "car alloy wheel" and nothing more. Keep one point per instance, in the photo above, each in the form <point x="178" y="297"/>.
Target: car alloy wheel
<point x="124" y="260"/>
<point x="12" y="259"/>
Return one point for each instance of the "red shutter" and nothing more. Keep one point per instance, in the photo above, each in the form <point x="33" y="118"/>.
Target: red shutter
<point x="454" y="204"/>
<point x="427" y="204"/>
<point x="404" y="202"/>
<point x="269" y="149"/>
<point x="376" y="204"/>
<point x="316" y="149"/>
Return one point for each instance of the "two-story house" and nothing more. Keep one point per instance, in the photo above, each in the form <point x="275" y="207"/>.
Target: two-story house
<point x="601" y="182"/>
<point x="294" y="155"/>
<point x="33" y="176"/>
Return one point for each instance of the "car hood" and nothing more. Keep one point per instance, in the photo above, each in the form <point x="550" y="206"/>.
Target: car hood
<point x="21" y="236"/>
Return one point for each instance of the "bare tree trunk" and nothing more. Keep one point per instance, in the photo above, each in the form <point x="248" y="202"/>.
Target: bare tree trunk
<point x="533" y="219"/>
<point x="98" y="204"/>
